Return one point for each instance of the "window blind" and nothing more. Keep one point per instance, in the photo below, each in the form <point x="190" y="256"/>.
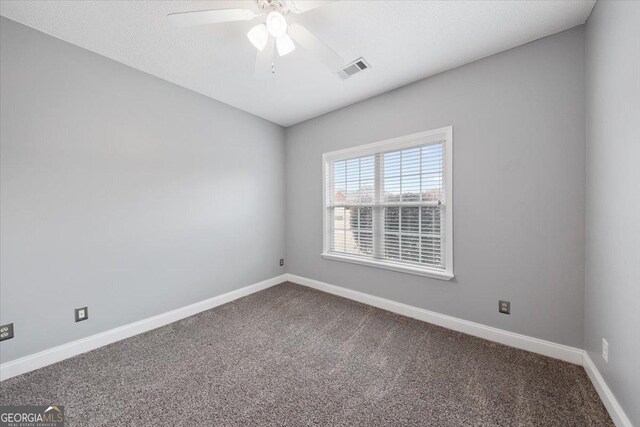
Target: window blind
<point x="389" y="203"/>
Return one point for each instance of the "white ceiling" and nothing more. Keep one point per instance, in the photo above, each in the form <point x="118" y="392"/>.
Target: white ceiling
<point x="404" y="41"/>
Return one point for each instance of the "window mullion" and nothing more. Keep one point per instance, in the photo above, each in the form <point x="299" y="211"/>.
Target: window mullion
<point x="400" y="213"/>
<point x="329" y="194"/>
<point x="378" y="215"/>
<point x="420" y="210"/>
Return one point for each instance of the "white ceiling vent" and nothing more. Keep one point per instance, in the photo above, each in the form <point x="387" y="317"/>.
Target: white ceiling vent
<point x="353" y="68"/>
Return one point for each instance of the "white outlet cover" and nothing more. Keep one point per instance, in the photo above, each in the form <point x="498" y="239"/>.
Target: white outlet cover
<point x="605" y="350"/>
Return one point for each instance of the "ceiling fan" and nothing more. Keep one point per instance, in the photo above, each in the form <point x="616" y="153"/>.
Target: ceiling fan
<point x="274" y="33"/>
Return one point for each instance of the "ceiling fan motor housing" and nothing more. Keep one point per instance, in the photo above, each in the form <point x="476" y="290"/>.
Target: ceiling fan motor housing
<point x="267" y="6"/>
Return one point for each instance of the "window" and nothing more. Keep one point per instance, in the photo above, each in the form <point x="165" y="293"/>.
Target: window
<point x="388" y="204"/>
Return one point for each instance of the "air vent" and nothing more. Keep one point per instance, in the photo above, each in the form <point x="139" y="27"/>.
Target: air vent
<point x="353" y="68"/>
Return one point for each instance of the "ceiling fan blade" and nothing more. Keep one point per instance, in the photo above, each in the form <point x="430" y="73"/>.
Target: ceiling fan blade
<point x="285" y="45"/>
<point x="201" y="17"/>
<point x="264" y="61"/>
<point x="301" y="6"/>
<point x="316" y="46"/>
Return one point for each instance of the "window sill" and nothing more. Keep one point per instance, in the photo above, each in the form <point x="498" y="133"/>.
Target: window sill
<point x="403" y="268"/>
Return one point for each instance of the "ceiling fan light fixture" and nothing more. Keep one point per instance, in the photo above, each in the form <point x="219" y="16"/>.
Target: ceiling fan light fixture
<point x="285" y="45"/>
<point x="276" y="24"/>
<point x="258" y="36"/>
<point x="274" y="32"/>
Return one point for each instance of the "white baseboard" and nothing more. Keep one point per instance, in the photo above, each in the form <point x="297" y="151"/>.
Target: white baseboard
<point x="547" y="348"/>
<point x="65" y="351"/>
<point x="535" y="345"/>
<point x="615" y="410"/>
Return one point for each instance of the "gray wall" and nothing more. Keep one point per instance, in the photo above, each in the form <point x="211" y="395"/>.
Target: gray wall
<point x="124" y="193"/>
<point x="613" y="197"/>
<point x="519" y="188"/>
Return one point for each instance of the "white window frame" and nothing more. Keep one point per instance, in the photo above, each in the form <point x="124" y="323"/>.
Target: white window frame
<point x="437" y="135"/>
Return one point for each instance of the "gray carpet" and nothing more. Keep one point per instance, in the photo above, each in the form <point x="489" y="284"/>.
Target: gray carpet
<point x="294" y="356"/>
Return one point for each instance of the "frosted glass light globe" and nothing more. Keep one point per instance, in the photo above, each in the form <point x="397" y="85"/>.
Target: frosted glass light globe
<point x="276" y="24"/>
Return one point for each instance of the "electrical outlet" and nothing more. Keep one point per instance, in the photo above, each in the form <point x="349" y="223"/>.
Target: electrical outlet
<point x="82" y="314"/>
<point x="281" y="262"/>
<point x="6" y="332"/>
<point x="605" y="350"/>
<point x="504" y="307"/>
